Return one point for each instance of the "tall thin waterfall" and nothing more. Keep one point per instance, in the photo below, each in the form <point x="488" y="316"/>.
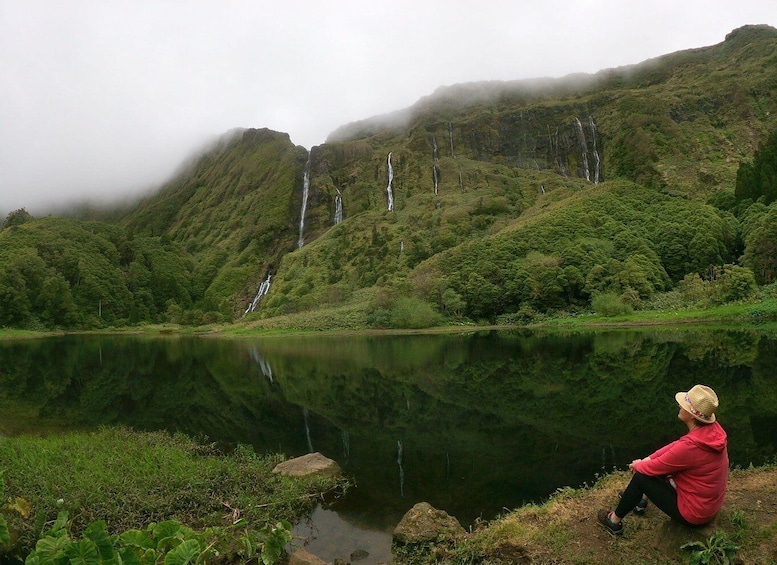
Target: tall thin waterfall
<point x="596" y="152"/>
<point x="346" y="437"/>
<point x="338" y="208"/>
<point x="389" y="191"/>
<point x="401" y="470"/>
<point x="435" y="156"/>
<point x="264" y="365"/>
<point x="264" y="288"/>
<point x="434" y="173"/>
<point x="583" y="149"/>
<point x="307" y="429"/>
<point x="305" y="191"/>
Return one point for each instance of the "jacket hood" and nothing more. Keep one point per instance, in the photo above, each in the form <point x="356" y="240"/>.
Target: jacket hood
<point x="711" y="437"/>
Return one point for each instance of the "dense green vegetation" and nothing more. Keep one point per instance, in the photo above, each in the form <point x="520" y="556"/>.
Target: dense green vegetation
<point x="129" y="491"/>
<point x="511" y="200"/>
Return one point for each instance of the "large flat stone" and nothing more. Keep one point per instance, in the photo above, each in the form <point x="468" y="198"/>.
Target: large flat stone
<point x="306" y="465"/>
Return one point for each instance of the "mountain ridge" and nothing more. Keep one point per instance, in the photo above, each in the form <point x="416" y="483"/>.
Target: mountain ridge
<point x="387" y="206"/>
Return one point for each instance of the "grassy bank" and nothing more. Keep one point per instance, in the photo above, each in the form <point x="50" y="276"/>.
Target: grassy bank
<point x="131" y="479"/>
<point x="563" y="530"/>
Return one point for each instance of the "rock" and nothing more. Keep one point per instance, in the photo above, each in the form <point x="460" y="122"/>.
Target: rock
<point x="302" y="557"/>
<point x="310" y="464"/>
<point x="424" y="523"/>
<point x="359" y="554"/>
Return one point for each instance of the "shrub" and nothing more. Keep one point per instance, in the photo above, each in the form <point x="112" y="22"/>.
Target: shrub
<point x="413" y="313"/>
<point x="610" y="304"/>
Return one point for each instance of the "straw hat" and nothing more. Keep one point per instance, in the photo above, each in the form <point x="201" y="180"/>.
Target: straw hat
<point x="701" y="401"/>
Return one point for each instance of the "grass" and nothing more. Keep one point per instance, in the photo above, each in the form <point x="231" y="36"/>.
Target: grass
<point x="129" y="479"/>
<point x="9" y="333"/>
<point x="562" y="530"/>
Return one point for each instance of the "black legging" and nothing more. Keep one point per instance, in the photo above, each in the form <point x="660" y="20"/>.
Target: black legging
<point x="657" y="489"/>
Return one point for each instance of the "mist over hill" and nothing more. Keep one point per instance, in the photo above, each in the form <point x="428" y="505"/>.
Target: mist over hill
<point x="495" y="200"/>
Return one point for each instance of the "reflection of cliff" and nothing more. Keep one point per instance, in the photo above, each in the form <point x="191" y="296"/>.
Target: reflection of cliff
<point x="484" y="421"/>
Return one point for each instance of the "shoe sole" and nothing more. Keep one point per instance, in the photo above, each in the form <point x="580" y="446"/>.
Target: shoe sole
<point x="609" y="530"/>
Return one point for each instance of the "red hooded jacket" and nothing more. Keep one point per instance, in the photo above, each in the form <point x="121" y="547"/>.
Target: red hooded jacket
<point x="698" y="464"/>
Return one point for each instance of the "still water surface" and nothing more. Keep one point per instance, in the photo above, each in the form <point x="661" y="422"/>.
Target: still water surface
<point x="473" y="424"/>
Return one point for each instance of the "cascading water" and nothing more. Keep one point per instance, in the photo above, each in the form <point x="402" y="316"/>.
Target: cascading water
<point x="338" y="208"/>
<point x="264" y="365"/>
<point x="434" y="151"/>
<point x="305" y="192"/>
<point x="346" y="437"/>
<point x="583" y="149"/>
<point x="307" y="430"/>
<point x="401" y="470"/>
<point x="597" y="159"/>
<point x="264" y="288"/>
<point x="389" y="191"/>
<point x="461" y="181"/>
<point x="434" y="174"/>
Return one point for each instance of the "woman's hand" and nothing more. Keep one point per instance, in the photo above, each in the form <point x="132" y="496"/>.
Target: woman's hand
<point x="631" y="465"/>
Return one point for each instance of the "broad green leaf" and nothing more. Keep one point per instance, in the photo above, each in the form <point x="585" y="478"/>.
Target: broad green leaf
<point x="136" y="538"/>
<point x="50" y="547"/>
<point x="186" y="552"/>
<point x="82" y="552"/>
<point x="99" y="536"/>
<point x="128" y="557"/>
<point x="60" y="524"/>
<point x="163" y="531"/>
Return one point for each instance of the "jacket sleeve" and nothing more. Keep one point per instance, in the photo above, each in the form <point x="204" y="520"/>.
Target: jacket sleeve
<point x="671" y="458"/>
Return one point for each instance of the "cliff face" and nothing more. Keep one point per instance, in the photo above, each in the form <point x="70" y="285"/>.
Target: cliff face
<point x="465" y="161"/>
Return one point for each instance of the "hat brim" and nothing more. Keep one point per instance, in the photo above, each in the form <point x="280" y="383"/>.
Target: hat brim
<point x="680" y="398"/>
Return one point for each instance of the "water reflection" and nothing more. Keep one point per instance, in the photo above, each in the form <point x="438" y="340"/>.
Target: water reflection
<point x="472" y="424"/>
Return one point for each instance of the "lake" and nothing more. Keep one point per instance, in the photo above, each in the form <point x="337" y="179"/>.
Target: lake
<point x="475" y="424"/>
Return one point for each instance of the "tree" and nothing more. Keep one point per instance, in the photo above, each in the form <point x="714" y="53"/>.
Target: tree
<point x="17" y="218"/>
<point x="761" y="249"/>
<point x="758" y="180"/>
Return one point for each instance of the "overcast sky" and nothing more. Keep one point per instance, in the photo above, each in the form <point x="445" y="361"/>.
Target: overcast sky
<point x="102" y="99"/>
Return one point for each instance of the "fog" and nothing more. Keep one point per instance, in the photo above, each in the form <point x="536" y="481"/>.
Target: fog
<point x="103" y="100"/>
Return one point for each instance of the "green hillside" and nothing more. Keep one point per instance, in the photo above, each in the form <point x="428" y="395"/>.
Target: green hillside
<point x="507" y="199"/>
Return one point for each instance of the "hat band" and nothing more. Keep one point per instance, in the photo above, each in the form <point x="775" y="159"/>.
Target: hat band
<point x="693" y="410"/>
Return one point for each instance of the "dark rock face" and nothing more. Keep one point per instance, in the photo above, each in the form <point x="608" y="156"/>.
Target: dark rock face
<point x="424" y="523"/>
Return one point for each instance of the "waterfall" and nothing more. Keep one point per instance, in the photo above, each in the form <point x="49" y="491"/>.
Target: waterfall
<point x="305" y="191"/>
<point x="450" y="136"/>
<point x="264" y="365"/>
<point x="596" y="152"/>
<point x="346" y="437"/>
<point x="461" y="181"/>
<point x="338" y="208"/>
<point x="584" y="149"/>
<point x="435" y="156"/>
<point x="434" y="174"/>
<point x="307" y="430"/>
<point x="264" y="288"/>
<point x="401" y="470"/>
<point x="390" y="180"/>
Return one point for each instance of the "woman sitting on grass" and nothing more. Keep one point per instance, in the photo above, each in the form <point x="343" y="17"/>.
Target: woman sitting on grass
<point x="685" y="479"/>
